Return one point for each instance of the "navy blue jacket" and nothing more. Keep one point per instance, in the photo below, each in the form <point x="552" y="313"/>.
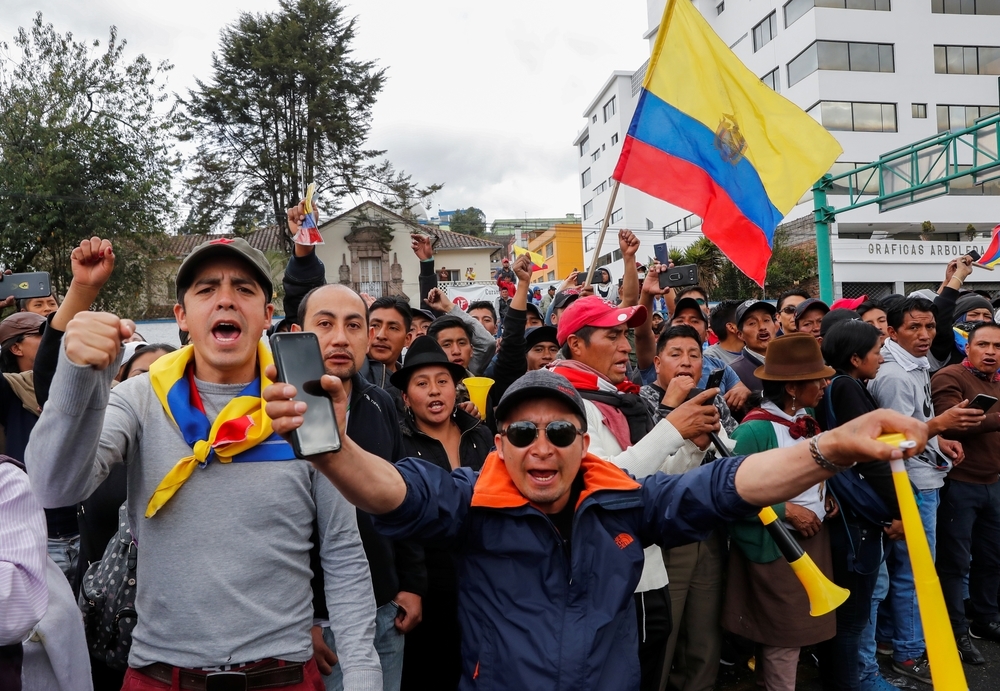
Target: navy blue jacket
<point x="533" y="616"/>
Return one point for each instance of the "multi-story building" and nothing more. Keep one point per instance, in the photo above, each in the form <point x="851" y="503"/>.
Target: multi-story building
<point x="879" y="75"/>
<point x="560" y="245"/>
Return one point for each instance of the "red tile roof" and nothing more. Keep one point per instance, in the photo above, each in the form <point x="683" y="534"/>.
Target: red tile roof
<point x="447" y="240"/>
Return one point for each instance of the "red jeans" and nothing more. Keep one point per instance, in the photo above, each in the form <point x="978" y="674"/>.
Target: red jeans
<point x="137" y="681"/>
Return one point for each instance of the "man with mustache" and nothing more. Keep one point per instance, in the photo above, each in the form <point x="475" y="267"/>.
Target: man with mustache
<point x="337" y="315"/>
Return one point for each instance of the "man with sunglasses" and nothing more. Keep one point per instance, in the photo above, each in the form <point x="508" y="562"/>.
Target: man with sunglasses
<point x="623" y="431"/>
<point x="548" y="538"/>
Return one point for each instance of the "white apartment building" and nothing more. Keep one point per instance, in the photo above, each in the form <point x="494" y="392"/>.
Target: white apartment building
<point x="879" y="75"/>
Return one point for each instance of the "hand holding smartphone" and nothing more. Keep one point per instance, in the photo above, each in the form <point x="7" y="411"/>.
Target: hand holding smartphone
<point x="299" y="362"/>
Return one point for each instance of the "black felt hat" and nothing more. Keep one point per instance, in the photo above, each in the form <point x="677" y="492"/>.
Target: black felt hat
<point x="425" y="351"/>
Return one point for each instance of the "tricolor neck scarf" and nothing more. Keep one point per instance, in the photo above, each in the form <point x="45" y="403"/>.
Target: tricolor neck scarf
<point x="992" y="377"/>
<point x="240" y="434"/>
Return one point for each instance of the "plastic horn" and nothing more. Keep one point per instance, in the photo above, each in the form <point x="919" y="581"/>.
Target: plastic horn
<point x="824" y="595"/>
<point x="479" y="388"/>
<point x="946" y="666"/>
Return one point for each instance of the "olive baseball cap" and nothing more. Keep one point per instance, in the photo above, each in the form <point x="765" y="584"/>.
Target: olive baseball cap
<point x="226" y="247"/>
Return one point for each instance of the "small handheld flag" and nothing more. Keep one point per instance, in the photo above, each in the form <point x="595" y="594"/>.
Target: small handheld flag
<point x="537" y="263"/>
<point x="991" y="257"/>
<point x="709" y="136"/>
<point x="309" y="234"/>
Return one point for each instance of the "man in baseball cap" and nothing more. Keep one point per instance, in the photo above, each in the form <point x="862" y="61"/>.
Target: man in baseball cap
<point x="809" y="316"/>
<point x="547" y="538"/>
<point x="201" y="452"/>
<point x="594" y="336"/>
<point x="756" y="327"/>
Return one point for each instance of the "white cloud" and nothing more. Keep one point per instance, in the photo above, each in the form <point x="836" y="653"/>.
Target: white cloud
<point x="485" y="97"/>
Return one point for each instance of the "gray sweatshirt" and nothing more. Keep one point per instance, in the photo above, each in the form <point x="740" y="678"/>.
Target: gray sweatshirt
<point x="223" y="569"/>
<point x="907" y="390"/>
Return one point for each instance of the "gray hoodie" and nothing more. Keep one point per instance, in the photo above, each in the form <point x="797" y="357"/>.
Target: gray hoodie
<point x="905" y="387"/>
<point x="223" y="570"/>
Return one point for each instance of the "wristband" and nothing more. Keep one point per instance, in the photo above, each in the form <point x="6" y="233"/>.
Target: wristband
<point x="821" y="460"/>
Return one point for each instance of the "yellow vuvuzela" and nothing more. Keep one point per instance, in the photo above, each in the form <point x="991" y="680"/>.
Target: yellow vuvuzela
<point x="479" y="388"/>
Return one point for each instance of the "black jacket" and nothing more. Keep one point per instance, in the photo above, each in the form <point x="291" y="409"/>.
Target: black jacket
<point x="849" y="398"/>
<point x="302" y="274"/>
<point x="510" y="362"/>
<point x="374" y="426"/>
<point x="476" y="444"/>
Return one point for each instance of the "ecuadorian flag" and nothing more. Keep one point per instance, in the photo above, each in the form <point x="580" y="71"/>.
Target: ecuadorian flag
<point x="710" y="137"/>
<point x="991" y="257"/>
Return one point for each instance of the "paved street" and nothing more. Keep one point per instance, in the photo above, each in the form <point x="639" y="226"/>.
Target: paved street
<point x="983" y="678"/>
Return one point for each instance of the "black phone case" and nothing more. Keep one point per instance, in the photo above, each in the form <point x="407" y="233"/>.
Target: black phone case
<point x="296" y="368"/>
<point x="34" y="284"/>
<point x="686" y="275"/>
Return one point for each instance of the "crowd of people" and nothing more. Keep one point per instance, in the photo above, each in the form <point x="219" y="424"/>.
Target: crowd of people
<point x="592" y="525"/>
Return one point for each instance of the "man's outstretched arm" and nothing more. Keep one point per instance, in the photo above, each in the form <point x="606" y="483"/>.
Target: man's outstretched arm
<point x="780" y="474"/>
<point x="370" y="483"/>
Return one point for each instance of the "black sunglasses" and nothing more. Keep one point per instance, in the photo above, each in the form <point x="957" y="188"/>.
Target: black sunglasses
<point x="560" y="432"/>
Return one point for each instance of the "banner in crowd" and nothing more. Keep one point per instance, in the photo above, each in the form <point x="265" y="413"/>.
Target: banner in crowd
<point x="465" y="294"/>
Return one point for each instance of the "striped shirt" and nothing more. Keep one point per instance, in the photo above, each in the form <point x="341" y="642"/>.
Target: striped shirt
<point x="24" y="595"/>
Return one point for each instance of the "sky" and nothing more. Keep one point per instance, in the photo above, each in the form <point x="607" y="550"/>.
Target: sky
<point x="484" y="97"/>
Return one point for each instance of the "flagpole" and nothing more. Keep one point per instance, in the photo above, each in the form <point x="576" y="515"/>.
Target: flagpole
<point x="600" y="238"/>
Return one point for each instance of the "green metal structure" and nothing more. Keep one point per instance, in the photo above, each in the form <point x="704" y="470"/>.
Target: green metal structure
<point x="912" y="174"/>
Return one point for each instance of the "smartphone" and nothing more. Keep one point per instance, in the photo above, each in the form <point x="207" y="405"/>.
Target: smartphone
<point x="715" y="379"/>
<point x="300" y="363"/>
<point x="983" y="402"/>
<point x="580" y="278"/>
<point x="974" y="254"/>
<point x="686" y="275"/>
<point x="660" y="252"/>
<point x="28" y="285"/>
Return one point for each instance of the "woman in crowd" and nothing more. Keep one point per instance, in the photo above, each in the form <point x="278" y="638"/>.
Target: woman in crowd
<point x="868" y="506"/>
<point x="141" y="358"/>
<point x="435" y="429"/>
<point x="764" y="600"/>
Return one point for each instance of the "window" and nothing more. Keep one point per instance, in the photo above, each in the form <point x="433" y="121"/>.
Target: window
<point x="772" y="80"/>
<point x="720" y="8"/>
<point x="594" y="118"/>
<point x="585" y="145"/>
<point x="966" y="60"/>
<point x="918" y="110"/>
<point x="610" y="108"/>
<point x="614" y="139"/>
<point x="548" y="250"/>
<point x="965" y="6"/>
<point x="585" y="177"/>
<point x="551" y="276"/>
<point x="617" y="216"/>
<point x="845" y="116"/>
<point x="764" y="32"/>
<point x="796" y="8"/>
<point x="596" y="155"/>
<point x="601" y="188"/>
<point x="841" y="55"/>
<point x="959" y="117"/>
<point x="588" y="210"/>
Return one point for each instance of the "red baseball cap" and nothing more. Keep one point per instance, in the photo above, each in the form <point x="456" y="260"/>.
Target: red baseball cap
<point x="848" y="303"/>
<point x="594" y="311"/>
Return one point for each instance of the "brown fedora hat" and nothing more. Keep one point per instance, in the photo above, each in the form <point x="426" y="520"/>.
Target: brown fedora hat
<point x="794" y="357"/>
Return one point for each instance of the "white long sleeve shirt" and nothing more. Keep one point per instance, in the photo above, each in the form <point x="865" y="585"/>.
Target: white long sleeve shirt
<point x="24" y="595"/>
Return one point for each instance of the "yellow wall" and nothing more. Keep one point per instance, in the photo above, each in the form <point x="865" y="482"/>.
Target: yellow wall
<point x="567" y="250"/>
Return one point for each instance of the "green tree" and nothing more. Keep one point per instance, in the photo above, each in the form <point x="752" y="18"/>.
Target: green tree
<point x="471" y="221"/>
<point x="84" y="150"/>
<point x="789" y="266"/>
<point x="286" y="105"/>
